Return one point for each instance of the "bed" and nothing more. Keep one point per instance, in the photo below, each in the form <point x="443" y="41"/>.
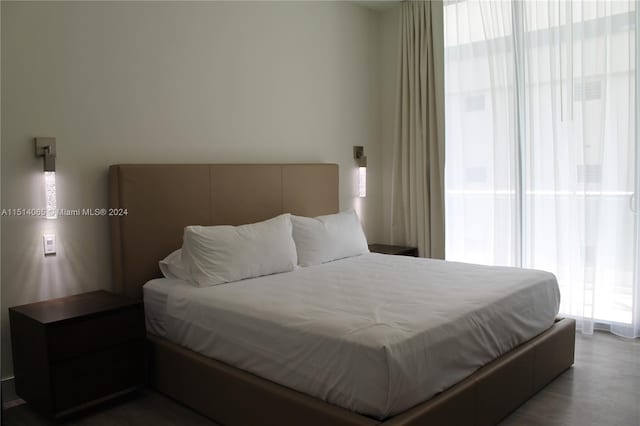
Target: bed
<point x="159" y="206"/>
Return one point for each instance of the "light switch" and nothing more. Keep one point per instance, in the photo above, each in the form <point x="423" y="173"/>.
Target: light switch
<point x="49" y="242"/>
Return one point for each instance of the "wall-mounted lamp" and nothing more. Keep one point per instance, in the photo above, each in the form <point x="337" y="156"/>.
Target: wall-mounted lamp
<point x="361" y="161"/>
<point x="46" y="147"/>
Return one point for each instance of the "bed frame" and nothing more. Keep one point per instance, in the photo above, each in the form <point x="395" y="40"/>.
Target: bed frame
<point x="161" y="199"/>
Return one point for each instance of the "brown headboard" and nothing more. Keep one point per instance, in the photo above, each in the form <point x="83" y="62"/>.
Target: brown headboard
<point x="161" y="199"/>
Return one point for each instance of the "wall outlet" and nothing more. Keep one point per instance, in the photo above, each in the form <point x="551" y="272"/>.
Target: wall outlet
<point x="49" y="243"/>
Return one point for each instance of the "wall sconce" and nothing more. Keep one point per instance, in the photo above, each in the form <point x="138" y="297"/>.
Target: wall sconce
<point x="361" y="161"/>
<point x="46" y="147"/>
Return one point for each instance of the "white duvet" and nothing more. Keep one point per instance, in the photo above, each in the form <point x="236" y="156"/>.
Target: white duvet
<point x="375" y="334"/>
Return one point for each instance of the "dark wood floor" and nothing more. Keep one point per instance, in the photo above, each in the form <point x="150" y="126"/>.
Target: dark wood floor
<point x="602" y="389"/>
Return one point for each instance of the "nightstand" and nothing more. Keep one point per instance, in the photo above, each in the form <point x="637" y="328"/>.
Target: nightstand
<point x="397" y="250"/>
<point x="76" y="351"/>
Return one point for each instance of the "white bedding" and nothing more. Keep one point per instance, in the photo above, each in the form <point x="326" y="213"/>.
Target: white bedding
<point x="156" y="293"/>
<point x="375" y="333"/>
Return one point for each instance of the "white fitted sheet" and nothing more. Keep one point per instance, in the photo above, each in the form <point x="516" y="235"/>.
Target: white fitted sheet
<point x="155" y="295"/>
<point x="375" y="333"/>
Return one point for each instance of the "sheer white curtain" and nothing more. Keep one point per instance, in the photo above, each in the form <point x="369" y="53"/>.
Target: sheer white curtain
<point x="541" y="157"/>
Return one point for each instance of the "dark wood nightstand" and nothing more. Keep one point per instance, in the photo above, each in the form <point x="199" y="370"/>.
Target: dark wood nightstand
<point x="398" y="250"/>
<point x="76" y="351"/>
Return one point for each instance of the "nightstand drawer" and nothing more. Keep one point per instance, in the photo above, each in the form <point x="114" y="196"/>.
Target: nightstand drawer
<point x="75" y="338"/>
<point x="80" y="380"/>
<point x="76" y="351"/>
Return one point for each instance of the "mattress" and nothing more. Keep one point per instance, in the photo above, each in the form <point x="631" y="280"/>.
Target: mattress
<point x="375" y="334"/>
<point x="155" y="294"/>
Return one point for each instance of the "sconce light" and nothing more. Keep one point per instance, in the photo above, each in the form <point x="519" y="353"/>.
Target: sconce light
<point x="46" y="147"/>
<point x="361" y="161"/>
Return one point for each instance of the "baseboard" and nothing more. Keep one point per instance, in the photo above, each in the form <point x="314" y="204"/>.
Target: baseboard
<point x="9" y="396"/>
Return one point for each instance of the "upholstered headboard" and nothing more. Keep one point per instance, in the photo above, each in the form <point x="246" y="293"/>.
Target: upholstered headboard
<point x="161" y="199"/>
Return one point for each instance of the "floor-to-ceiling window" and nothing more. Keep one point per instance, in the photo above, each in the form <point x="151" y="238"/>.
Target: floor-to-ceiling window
<point x="541" y="137"/>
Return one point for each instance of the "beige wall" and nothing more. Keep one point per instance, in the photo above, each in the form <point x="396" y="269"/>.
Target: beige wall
<point x="171" y="82"/>
<point x="1" y="304"/>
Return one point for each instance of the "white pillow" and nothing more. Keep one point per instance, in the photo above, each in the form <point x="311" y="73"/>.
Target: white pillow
<point x="219" y="254"/>
<point x="326" y="238"/>
<point x="172" y="267"/>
